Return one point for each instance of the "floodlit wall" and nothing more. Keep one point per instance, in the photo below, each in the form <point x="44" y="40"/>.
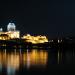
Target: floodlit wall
<point x="35" y="39"/>
<point x="13" y="34"/>
<point x="9" y="35"/>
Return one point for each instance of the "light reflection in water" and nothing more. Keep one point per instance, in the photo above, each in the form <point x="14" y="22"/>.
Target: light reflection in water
<point x="13" y="60"/>
<point x="35" y="58"/>
<point x="58" y="56"/>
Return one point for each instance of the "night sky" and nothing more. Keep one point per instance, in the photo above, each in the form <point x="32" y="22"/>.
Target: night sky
<point x="47" y="17"/>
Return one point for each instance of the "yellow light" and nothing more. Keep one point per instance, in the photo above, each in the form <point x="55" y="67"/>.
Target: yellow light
<point x="13" y="34"/>
<point x="14" y="60"/>
<point x="35" y="39"/>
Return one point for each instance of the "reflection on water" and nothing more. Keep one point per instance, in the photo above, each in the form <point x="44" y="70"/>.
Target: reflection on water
<point x="12" y="60"/>
<point x="58" y="56"/>
<point x="35" y="58"/>
<point x="21" y="61"/>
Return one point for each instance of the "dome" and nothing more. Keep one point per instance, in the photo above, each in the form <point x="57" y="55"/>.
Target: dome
<point x="1" y="29"/>
<point x="11" y="27"/>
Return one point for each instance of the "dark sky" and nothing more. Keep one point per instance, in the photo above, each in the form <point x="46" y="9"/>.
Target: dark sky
<point x="49" y="17"/>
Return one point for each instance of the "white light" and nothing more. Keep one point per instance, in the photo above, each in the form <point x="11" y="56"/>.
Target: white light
<point x="11" y="27"/>
<point x="58" y="40"/>
<point x="1" y="29"/>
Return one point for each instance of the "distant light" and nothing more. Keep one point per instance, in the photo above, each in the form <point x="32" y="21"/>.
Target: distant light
<point x="61" y="40"/>
<point x="52" y="40"/>
<point x="1" y="29"/>
<point x="58" y="40"/>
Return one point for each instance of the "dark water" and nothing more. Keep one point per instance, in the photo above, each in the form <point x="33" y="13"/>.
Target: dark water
<point x="37" y="61"/>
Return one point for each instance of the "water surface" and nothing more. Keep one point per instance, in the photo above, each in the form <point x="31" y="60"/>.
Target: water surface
<point x="36" y="61"/>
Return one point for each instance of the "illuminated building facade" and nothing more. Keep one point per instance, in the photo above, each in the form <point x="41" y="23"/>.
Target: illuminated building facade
<point x="11" y="32"/>
<point x="4" y="37"/>
<point x="35" y="39"/>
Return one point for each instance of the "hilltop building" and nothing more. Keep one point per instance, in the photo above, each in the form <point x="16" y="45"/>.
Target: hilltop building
<point x="10" y="33"/>
<point x="35" y="39"/>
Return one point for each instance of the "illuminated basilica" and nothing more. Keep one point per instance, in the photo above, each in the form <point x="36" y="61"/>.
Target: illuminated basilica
<point x="11" y="32"/>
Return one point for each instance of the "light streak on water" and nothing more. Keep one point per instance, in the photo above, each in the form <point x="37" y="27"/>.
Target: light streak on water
<point x="13" y="60"/>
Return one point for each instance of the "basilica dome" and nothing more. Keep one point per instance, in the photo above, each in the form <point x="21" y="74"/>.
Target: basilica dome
<point x="11" y="27"/>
